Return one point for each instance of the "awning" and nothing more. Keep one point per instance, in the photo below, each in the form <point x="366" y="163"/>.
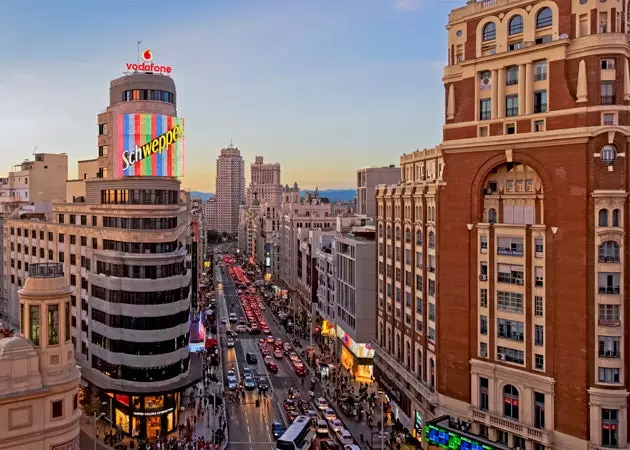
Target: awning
<point x="211" y="343"/>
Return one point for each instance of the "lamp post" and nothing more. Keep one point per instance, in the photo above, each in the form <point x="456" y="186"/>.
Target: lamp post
<point x="381" y="397"/>
<point x="96" y="419"/>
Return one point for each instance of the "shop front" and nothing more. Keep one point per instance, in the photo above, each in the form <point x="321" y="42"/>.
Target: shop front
<point x="443" y="432"/>
<point x="327" y="332"/>
<point x="146" y="416"/>
<point x="399" y="404"/>
<point x="358" y="359"/>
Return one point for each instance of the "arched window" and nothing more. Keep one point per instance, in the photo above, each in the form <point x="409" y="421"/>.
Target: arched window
<point x="544" y="18"/>
<point x="408" y="236"/>
<point x="419" y="363"/>
<point x="398" y="234"/>
<point x="603" y="218"/>
<point x="609" y="252"/>
<point x="516" y="25"/>
<point x="398" y="347"/>
<point x="408" y="355"/>
<point x="510" y="402"/>
<point x="492" y="215"/>
<point x="489" y="32"/>
<point x="431" y="239"/>
<point x="616" y="219"/>
<point x="418" y="237"/>
<point x="432" y="373"/>
<point x="389" y="231"/>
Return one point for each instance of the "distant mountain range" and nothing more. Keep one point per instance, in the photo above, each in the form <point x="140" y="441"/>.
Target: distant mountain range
<point x="334" y="195"/>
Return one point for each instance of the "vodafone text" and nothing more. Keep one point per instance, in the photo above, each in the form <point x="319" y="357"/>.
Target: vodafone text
<point x="153" y="146"/>
<point x="149" y="67"/>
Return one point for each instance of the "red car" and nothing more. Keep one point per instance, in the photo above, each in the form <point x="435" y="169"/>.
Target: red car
<point x="271" y="365"/>
<point x="300" y="371"/>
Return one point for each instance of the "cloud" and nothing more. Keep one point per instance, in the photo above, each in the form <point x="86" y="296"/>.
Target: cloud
<point x="408" y="5"/>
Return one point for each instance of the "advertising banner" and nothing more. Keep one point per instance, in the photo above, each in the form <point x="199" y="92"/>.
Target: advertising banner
<point x="150" y="145"/>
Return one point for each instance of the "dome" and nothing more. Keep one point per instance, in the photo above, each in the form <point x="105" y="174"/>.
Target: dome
<point x="15" y="346"/>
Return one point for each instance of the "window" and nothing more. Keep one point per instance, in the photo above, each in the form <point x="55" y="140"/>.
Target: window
<point x="53" y="324"/>
<point x="616" y="218"/>
<point x="510" y="329"/>
<point x="73" y="219"/>
<point x="538" y="126"/>
<point x="510" y="128"/>
<point x="609" y="119"/>
<point x="483" y="349"/>
<point x="608" y="375"/>
<point x="511" y="74"/>
<point x="431" y="239"/>
<point x="538" y="306"/>
<point x="539" y="362"/>
<point x="102" y="129"/>
<point x="511" y="274"/>
<point x="492" y="215"/>
<point x="483" y="325"/>
<point x="431" y="311"/>
<point x="484" y="399"/>
<point x="60" y="218"/>
<point x="34" y="328"/>
<point x="539" y="410"/>
<point x="515" y="45"/>
<point x="510" y="246"/>
<point x="483" y="298"/>
<point x="608" y="283"/>
<point x="608" y="315"/>
<point x="609" y="347"/>
<point x="511" y="105"/>
<point x="489" y="32"/>
<point x="57" y="409"/>
<point x="418" y="237"/>
<point x="607" y="92"/>
<point x="603" y="217"/>
<point x="610" y="426"/>
<point x="540" y="101"/>
<point x="483" y="243"/>
<point x="539" y="335"/>
<point x="510" y="402"/>
<point x="102" y="150"/>
<point x="539" y="246"/>
<point x="539" y="274"/>
<point x="485" y="109"/>
<point x="609" y="252"/>
<point x="607" y="63"/>
<point x="67" y="315"/>
<point x="516" y="25"/>
<point x="544" y="18"/>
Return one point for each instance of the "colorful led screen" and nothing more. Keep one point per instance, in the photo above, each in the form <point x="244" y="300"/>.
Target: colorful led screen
<point x="150" y="145"/>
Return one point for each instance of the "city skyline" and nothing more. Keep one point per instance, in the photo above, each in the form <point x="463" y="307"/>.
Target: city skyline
<point x="336" y="81"/>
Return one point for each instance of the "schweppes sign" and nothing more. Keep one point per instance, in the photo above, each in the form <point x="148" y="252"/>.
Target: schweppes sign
<point x="156" y="145"/>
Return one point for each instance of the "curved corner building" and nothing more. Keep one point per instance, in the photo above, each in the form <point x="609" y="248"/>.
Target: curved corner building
<point x="125" y="247"/>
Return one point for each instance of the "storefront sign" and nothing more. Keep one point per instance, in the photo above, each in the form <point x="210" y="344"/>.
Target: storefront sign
<point x="153" y="413"/>
<point x="418" y="426"/>
<point x="70" y="445"/>
<point x="359" y="350"/>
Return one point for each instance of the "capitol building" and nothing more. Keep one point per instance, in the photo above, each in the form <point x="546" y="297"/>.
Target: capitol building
<point x="39" y="379"/>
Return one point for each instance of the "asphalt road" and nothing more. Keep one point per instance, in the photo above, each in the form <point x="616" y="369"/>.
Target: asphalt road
<point x="249" y="427"/>
<point x="245" y="421"/>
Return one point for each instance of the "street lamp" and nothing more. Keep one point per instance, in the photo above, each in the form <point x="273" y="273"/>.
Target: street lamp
<point x="96" y="419"/>
<point x="381" y="396"/>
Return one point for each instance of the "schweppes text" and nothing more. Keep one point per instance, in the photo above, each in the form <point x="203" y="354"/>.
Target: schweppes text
<point x="156" y="145"/>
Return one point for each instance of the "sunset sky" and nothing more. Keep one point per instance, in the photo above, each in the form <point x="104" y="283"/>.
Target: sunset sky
<point x="322" y="87"/>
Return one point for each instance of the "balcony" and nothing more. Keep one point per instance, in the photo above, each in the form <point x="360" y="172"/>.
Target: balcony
<point x="491" y="419"/>
<point x="381" y="355"/>
<point x="609" y="323"/>
<point x="609" y="290"/>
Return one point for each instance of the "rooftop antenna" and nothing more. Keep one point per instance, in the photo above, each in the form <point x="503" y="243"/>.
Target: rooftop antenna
<point x="35" y="149"/>
<point x="139" y="43"/>
<point x="231" y="146"/>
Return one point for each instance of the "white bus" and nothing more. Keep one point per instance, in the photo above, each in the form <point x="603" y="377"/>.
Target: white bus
<point x="298" y="436"/>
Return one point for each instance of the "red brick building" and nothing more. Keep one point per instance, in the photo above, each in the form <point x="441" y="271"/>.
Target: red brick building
<point x="502" y="252"/>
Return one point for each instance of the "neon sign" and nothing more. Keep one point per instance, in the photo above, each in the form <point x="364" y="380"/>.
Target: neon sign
<point x="448" y="439"/>
<point x="147" y="65"/>
<point x="156" y="145"/>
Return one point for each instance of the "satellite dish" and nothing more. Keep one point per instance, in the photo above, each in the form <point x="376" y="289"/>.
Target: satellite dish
<point x="564" y="36"/>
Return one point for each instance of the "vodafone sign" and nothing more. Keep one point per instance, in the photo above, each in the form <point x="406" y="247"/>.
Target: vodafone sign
<point x="147" y="64"/>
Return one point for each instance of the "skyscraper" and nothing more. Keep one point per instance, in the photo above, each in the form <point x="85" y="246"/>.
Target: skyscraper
<point x="264" y="184"/>
<point x="230" y="189"/>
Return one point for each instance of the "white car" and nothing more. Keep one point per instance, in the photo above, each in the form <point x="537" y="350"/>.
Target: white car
<point x="224" y="321"/>
<point x="351" y="447"/>
<point x="322" y="427"/>
<point x="336" y="425"/>
<point x="247" y="372"/>
<point x="242" y="329"/>
<point x="233" y="317"/>
<point x="230" y="342"/>
<point x="329" y="414"/>
<point x="345" y="437"/>
<point x="321" y="403"/>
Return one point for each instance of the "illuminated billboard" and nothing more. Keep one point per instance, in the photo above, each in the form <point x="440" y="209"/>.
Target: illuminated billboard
<point x="150" y="145"/>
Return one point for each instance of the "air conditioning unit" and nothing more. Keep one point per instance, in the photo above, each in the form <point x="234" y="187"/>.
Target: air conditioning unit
<point x="500" y="356"/>
<point x="483" y="277"/>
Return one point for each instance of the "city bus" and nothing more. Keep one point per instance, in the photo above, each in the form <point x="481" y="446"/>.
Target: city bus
<point x="298" y="436"/>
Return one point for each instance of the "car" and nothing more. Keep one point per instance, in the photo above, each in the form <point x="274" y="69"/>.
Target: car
<point x="300" y="371"/>
<point x="271" y="365"/>
<point x="232" y="384"/>
<point x="278" y="353"/>
<point x="312" y="413"/>
<point x="233" y="317"/>
<point x="294" y="356"/>
<point x="328" y="444"/>
<point x="287" y="347"/>
<point x="242" y="321"/>
<point x="247" y="372"/>
<point x="345" y="437"/>
<point x="329" y="414"/>
<point x="241" y="329"/>
<point x="289" y="405"/>
<point x="224" y="321"/>
<point x="351" y="447"/>
<point x="230" y="373"/>
<point x="321" y="427"/>
<point x="230" y="342"/>
<point x="263" y="384"/>
<point x="270" y="339"/>
<point x="321" y="404"/>
<point x="336" y="425"/>
<point x="254" y="329"/>
<point x="251" y="358"/>
<point x="261" y="306"/>
<point x="297" y="364"/>
<point x="265" y="329"/>
<point x="231" y="333"/>
<point x="278" y="342"/>
<point x="292" y="415"/>
<point x="277" y="430"/>
<point x="249" y="383"/>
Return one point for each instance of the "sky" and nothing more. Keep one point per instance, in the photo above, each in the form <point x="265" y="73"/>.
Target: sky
<point x="323" y="87"/>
